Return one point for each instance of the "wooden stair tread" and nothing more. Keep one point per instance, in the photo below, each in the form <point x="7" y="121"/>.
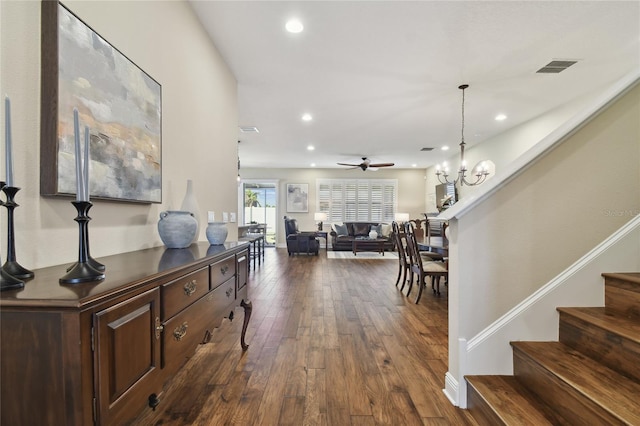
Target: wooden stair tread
<point x="630" y="278"/>
<point x="610" y="390"/>
<point x="607" y="320"/>
<point x="508" y="400"/>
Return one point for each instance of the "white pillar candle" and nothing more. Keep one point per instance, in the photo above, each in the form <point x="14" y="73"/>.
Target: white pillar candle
<point x="7" y="146"/>
<point x="76" y="136"/>
<point x="85" y="169"/>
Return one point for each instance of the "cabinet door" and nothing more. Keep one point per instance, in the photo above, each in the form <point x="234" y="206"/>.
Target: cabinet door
<point x="127" y="357"/>
<point x="242" y="269"/>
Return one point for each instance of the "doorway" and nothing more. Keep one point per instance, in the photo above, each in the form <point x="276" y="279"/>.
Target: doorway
<point x="260" y="199"/>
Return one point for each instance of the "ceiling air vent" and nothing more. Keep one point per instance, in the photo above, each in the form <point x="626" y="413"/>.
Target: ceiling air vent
<point x="249" y="129"/>
<point x="554" y="67"/>
<point x="426" y="149"/>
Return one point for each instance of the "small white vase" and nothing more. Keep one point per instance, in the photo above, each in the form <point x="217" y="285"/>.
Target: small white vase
<point x="217" y="233"/>
<point x="190" y="204"/>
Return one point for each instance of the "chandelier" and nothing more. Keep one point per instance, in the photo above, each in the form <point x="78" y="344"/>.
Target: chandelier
<point x="480" y="172"/>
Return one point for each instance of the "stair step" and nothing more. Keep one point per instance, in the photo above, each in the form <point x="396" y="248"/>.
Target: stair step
<point x="604" y="336"/>
<point x="577" y="387"/>
<point x="622" y="293"/>
<point x="502" y="400"/>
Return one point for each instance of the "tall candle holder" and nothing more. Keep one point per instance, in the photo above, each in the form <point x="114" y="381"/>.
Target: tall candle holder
<point x="82" y="271"/>
<point x="7" y="281"/>
<point x="11" y="266"/>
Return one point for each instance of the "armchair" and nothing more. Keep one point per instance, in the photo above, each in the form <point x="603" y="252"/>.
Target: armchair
<point x="299" y="242"/>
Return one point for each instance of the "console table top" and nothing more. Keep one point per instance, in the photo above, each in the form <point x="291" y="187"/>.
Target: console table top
<point x="124" y="273"/>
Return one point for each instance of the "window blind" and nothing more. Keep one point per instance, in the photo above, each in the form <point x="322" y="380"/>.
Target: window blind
<point x="351" y="200"/>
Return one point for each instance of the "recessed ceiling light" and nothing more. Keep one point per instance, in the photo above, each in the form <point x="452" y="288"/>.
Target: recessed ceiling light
<point x="311" y="148"/>
<point x="501" y="117"/>
<point x="445" y="148"/>
<point x="313" y="164"/>
<point x="294" y="26"/>
<point x="414" y="165"/>
<point x="306" y="117"/>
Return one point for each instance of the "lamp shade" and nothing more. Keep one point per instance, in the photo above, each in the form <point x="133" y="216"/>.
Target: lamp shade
<point x="320" y="216"/>
<point x="402" y="217"/>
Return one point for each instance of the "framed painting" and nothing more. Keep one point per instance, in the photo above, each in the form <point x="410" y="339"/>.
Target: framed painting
<point x="118" y="101"/>
<point x="297" y="197"/>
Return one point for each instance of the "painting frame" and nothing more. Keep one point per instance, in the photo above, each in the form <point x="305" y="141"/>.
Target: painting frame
<point x="119" y="102"/>
<point x="297" y="198"/>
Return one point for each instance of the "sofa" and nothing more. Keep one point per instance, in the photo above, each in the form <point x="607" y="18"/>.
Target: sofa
<point x="342" y="235"/>
<point x="299" y="242"/>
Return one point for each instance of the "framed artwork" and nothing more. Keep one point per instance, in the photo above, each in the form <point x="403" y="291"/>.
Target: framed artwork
<point x="118" y="101"/>
<point x="297" y="198"/>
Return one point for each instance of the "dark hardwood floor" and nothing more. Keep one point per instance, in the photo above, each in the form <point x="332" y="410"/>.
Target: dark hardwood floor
<point x="331" y="342"/>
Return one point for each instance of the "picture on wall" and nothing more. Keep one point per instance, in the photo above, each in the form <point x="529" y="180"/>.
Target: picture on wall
<point x="118" y="101"/>
<point x="297" y="197"/>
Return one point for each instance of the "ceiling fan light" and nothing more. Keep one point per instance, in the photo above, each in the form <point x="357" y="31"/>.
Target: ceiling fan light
<point x="294" y="26"/>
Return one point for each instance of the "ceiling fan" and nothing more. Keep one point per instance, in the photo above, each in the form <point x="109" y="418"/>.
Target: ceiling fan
<point x="366" y="164"/>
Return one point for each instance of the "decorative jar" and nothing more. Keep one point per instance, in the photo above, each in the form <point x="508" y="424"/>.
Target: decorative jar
<point x="217" y="233"/>
<point x="373" y="234"/>
<point x="177" y="228"/>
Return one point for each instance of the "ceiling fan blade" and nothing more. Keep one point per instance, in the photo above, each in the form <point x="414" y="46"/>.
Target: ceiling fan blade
<point x="382" y="165"/>
<point x="347" y="164"/>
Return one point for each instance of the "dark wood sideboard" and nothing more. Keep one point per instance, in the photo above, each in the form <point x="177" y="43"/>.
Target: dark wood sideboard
<point x="100" y="353"/>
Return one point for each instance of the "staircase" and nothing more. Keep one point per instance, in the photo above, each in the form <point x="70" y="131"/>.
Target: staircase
<point x="590" y="377"/>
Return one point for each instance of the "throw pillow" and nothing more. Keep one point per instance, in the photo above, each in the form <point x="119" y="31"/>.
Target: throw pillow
<point x="361" y="229"/>
<point x="386" y="229"/>
<point x="341" y="230"/>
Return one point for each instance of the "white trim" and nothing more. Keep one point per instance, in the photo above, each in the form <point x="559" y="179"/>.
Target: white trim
<point x="451" y="388"/>
<point x="556" y="137"/>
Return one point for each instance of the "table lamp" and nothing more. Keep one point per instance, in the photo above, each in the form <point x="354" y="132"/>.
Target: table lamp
<point x="320" y="217"/>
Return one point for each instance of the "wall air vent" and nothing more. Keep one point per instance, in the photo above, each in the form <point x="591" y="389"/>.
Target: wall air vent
<point x="426" y="149"/>
<point x="249" y="129"/>
<point x="554" y="67"/>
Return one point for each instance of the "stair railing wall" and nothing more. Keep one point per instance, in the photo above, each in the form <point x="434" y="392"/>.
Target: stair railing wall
<point x="523" y="229"/>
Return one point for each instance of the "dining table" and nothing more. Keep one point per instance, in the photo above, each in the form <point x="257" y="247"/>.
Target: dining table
<point x="434" y="244"/>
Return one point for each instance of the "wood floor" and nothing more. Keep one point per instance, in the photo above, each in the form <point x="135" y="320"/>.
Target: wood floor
<point x="331" y="342"/>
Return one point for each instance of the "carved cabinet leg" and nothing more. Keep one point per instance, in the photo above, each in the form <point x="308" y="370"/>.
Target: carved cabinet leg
<point x="247" y="315"/>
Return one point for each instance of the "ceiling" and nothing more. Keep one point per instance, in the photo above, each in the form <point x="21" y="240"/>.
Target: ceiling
<point x="381" y="78"/>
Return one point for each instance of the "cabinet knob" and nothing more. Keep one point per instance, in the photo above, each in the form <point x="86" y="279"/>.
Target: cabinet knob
<point x="190" y="287"/>
<point x="224" y="269"/>
<point x="229" y="292"/>
<point x="153" y="401"/>
<point x="159" y="327"/>
<point x="180" y="331"/>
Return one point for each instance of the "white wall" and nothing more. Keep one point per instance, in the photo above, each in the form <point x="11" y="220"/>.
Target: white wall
<point x="199" y="125"/>
<point x="411" y="187"/>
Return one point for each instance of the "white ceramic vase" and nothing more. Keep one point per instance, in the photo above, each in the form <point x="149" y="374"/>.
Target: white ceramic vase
<point x="190" y="204"/>
<point x="217" y="233"/>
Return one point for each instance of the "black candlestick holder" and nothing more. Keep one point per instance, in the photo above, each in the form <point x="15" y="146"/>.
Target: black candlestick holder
<point x="82" y="271"/>
<point x="11" y="266"/>
<point x="7" y="281"/>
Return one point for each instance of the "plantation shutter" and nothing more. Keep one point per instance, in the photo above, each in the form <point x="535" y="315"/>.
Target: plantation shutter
<point x="351" y="200"/>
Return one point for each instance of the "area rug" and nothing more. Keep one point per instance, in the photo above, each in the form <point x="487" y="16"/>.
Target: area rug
<point x="362" y="255"/>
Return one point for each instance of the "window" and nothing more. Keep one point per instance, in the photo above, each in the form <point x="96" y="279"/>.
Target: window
<point x="350" y="200"/>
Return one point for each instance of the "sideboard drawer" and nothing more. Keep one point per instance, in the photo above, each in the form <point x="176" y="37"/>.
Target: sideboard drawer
<point x="183" y="332"/>
<point x="182" y="292"/>
<point x="224" y="297"/>
<point x="222" y="271"/>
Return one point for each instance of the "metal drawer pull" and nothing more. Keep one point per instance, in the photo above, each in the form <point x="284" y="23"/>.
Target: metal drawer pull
<point x="242" y="259"/>
<point x="229" y="292"/>
<point x="224" y="269"/>
<point x="190" y="287"/>
<point x="159" y="327"/>
<point x="180" y="331"/>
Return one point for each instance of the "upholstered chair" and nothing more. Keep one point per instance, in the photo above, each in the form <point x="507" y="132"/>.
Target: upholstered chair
<point x="297" y="241"/>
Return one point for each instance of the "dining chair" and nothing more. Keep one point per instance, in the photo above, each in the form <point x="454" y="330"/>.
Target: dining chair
<point x="404" y="265"/>
<point x="421" y="267"/>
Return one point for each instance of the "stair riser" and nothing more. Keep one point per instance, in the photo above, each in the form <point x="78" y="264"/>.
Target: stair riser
<point x="481" y="412"/>
<point x="563" y="398"/>
<point x="616" y="352"/>
<point x="622" y="297"/>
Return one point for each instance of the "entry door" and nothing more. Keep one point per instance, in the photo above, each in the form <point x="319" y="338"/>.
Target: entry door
<point x="260" y="206"/>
